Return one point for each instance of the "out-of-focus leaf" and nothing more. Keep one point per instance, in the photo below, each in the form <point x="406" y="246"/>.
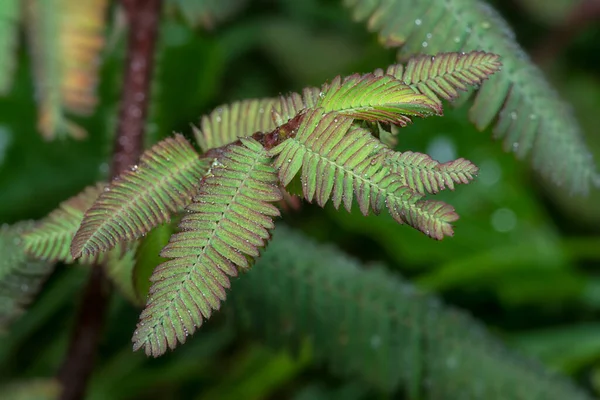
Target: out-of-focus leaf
<point x="568" y="348"/>
<point x="553" y="12"/>
<point x="66" y="37"/>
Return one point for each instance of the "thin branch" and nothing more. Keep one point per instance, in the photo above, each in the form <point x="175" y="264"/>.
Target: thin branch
<point x="143" y="21"/>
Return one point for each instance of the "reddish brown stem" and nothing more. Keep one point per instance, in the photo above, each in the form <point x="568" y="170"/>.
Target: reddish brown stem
<point x="143" y="21"/>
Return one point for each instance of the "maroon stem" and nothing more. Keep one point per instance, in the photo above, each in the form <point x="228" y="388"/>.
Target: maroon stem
<point x="143" y="21"/>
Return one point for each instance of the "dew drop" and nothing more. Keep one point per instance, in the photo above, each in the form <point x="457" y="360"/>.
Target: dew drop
<point x="424" y="44"/>
<point x="429" y="35"/>
<point x="418" y="22"/>
<point x="513" y="115"/>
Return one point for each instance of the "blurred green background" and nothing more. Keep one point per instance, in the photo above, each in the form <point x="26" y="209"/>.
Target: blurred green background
<point x="525" y="258"/>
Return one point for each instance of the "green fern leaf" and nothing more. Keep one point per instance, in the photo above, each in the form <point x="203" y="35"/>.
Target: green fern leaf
<point x="367" y="323"/>
<point x="423" y="174"/>
<point x="66" y="38"/>
<point x="50" y="239"/>
<point x="376" y="98"/>
<point x="9" y="28"/>
<point x="20" y="276"/>
<point x="228" y="123"/>
<point x="165" y="181"/>
<point x="227" y="223"/>
<point x="443" y="75"/>
<point x="339" y="161"/>
<point x="530" y="116"/>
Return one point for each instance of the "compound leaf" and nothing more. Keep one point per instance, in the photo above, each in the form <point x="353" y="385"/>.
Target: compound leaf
<point x="376" y="98"/>
<point x="528" y="113"/>
<point x="228" y="221"/>
<point x="339" y="161"/>
<point x="165" y="181"/>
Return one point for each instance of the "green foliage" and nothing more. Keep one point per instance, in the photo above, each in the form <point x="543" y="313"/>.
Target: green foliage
<point x="227" y="222"/>
<point x="423" y="174"/>
<point x="50" y="239"/>
<point x="20" y="276"/>
<point x="376" y="98"/>
<point x="338" y="161"/>
<point x="167" y="177"/>
<point x="371" y="324"/>
<point x="443" y="75"/>
<point x="243" y="118"/>
<point x="530" y="116"/>
<point x="9" y="23"/>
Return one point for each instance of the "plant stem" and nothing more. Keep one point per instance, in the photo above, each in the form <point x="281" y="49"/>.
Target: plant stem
<point x="143" y="21"/>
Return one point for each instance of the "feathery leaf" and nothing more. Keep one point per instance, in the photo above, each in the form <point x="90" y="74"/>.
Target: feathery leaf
<point x="443" y="75"/>
<point x="51" y="238"/>
<point x="338" y="161"/>
<point x="226" y="224"/>
<point x="530" y="116"/>
<point x="243" y="118"/>
<point x="20" y="276"/>
<point x="423" y="174"/>
<point x="165" y="181"/>
<point x="9" y="28"/>
<point x="66" y="37"/>
<point x="370" y="324"/>
<point x="376" y="98"/>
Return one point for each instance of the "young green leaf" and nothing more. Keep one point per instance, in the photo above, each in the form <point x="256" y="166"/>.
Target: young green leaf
<point x="339" y="161"/>
<point x="376" y="98"/>
<point x="445" y="74"/>
<point x="119" y="265"/>
<point x="165" y="181"/>
<point x="529" y="115"/>
<point x="225" y="226"/>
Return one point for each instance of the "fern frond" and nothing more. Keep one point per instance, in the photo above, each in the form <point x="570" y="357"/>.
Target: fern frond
<point x="531" y="118"/>
<point x="423" y="174"/>
<point x="227" y="123"/>
<point x="367" y="323"/>
<point x="443" y="75"/>
<point x="9" y="27"/>
<point x="20" y="276"/>
<point x="225" y="225"/>
<point x="339" y="161"/>
<point x="165" y="181"/>
<point x="376" y="98"/>
<point x="66" y="38"/>
<point x="51" y="238"/>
